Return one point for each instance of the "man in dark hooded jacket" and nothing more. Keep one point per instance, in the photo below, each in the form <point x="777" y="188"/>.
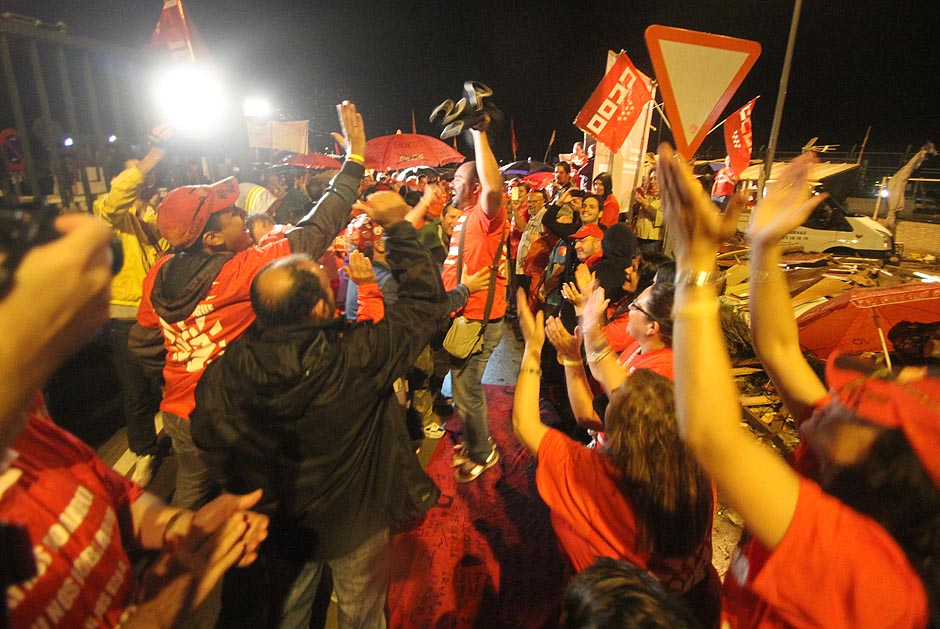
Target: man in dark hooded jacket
<point x="303" y="407"/>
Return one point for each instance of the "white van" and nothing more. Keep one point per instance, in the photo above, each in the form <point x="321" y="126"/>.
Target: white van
<point x="831" y="228"/>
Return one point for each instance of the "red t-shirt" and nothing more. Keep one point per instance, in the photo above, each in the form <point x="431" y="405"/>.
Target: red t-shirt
<point x="75" y="510"/>
<point x="659" y="360"/>
<point x="592" y="518"/>
<point x="484" y="241"/>
<point x="833" y="568"/>
<point x="610" y="213"/>
<point x="724" y="183"/>
<point x="218" y="319"/>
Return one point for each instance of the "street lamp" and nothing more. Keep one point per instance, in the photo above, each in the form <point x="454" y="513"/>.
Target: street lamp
<point x="190" y="98"/>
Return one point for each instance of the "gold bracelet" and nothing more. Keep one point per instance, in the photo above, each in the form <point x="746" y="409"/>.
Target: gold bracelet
<point x="599" y="355"/>
<point x="567" y="362"/>
<point x="709" y="307"/>
<point x="532" y="370"/>
<point x="356" y="157"/>
<point x="697" y="279"/>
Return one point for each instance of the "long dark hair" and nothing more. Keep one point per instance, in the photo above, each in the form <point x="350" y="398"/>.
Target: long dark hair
<point x="891" y="486"/>
<point x="669" y="491"/>
<point x="608" y="185"/>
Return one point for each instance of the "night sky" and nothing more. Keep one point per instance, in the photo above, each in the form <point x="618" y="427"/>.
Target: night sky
<point x="857" y="63"/>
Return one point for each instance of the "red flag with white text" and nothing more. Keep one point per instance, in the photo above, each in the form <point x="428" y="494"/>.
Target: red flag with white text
<point x="176" y="34"/>
<point x="615" y="106"/>
<point x="739" y="138"/>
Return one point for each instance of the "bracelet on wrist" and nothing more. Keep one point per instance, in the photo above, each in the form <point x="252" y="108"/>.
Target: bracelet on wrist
<point x="532" y="370"/>
<point x="155" y="141"/>
<point x="356" y="157"/>
<point x="568" y="362"/>
<point x="697" y="279"/>
<point x="598" y="355"/>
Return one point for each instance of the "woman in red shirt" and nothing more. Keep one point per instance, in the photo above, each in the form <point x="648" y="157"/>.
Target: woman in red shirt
<point x="641" y="498"/>
<point x="848" y="534"/>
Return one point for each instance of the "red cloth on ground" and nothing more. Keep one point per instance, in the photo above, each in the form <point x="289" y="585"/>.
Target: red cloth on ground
<point x="484" y="241"/>
<point x="610" y="213"/>
<point x="76" y="511"/>
<point x="833" y="568"/>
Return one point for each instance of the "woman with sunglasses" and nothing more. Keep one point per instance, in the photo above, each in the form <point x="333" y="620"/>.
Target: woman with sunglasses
<point x="650" y="326"/>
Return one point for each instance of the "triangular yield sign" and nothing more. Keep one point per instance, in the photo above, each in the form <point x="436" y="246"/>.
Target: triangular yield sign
<point x="698" y="74"/>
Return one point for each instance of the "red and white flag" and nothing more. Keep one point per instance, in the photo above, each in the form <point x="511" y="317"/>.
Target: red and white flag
<point x="616" y="104"/>
<point x="738" y="137"/>
<point x="176" y="34"/>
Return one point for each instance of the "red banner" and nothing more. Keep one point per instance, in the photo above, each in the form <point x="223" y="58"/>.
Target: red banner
<point x="738" y="137"/>
<point x="177" y="35"/>
<point x="615" y="105"/>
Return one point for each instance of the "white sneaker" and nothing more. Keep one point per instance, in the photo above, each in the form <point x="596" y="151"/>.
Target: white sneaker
<point x="143" y="469"/>
<point x="434" y="431"/>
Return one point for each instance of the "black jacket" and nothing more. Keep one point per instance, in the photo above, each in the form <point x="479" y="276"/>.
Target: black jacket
<point x="307" y="413"/>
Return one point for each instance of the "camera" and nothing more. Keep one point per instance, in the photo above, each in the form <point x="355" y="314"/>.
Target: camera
<point x="25" y="226"/>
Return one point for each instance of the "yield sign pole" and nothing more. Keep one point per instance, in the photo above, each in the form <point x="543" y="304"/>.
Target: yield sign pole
<point x="781" y="97"/>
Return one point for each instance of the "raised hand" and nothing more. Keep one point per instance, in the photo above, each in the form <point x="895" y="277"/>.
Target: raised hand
<point x="594" y="317"/>
<point x="567" y="345"/>
<point x="788" y="202"/>
<point x="532" y="326"/>
<point x="353" y="137"/>
<point x="696" y="223"/>
<point x="360" y="269"/>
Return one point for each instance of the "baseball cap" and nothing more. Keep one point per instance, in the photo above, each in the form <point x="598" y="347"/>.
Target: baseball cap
<point x="588" y="230"/>
<point x="184" y="212"/>
<point x="911" y="404"/>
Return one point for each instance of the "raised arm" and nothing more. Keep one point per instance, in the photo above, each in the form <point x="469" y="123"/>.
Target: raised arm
<point x="491" y="181"/>
<point x="526" y="422"/>
<point x="773" y="328"/>
<point x="125" y="187"/>
<point x="331" y="213"/>
<point x="580" y="395"/>
<point x="758" y="484"/>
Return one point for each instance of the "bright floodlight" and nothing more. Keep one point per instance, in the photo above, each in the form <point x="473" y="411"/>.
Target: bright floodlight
<point x="256" y="107"/>
<point x="190" y="98"/>
<point x="68" y="142"/>
<point x="112" y="138"/>
<point x="884" y="193"/>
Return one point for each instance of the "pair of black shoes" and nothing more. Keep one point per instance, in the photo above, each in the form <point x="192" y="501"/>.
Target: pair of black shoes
<point x="467" y="112"/>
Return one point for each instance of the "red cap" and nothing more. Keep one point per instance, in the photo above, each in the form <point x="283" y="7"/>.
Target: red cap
<point x="184" y="212"/>
<point x="909" y="404"/>
<point x="588" y="230"/>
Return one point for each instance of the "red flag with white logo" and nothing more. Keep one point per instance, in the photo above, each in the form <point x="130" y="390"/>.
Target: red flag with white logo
<point x="616" y="104"/>
<point x="177" y="35"/>
<point x="738" y="137"/>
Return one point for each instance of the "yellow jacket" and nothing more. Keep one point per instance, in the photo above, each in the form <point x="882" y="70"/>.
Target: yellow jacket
<point x="117" y="209"/>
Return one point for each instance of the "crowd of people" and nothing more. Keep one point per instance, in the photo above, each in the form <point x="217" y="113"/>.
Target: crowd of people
<point x="295" y="356"/>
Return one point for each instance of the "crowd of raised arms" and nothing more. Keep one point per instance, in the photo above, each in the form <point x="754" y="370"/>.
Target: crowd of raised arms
<point x="295" y="356"/>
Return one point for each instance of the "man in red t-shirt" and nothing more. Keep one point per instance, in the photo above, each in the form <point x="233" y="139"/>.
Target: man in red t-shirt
<point x="199" y="298"/>
<point x="478" y="192"/>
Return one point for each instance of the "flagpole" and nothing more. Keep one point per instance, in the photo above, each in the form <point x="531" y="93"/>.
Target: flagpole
<point x="781" y="97"/>
<point x="548" y="149"/>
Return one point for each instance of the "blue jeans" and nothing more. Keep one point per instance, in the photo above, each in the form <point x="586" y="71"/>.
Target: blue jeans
<point x="360" y="580"/>
<point x="194" y="485"/>
<point x="141" y="394"/>
<point x="467" y="381"/>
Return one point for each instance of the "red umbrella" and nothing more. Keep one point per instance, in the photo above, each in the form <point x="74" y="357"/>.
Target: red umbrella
<point x="539" y="180"/>
<point x="311" y="160"/>
<point x="395" y="152"/>
<point x="850" y="322"/>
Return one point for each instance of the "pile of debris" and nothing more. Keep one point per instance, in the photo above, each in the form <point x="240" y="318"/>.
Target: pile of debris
<point x="894" y="310"/>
